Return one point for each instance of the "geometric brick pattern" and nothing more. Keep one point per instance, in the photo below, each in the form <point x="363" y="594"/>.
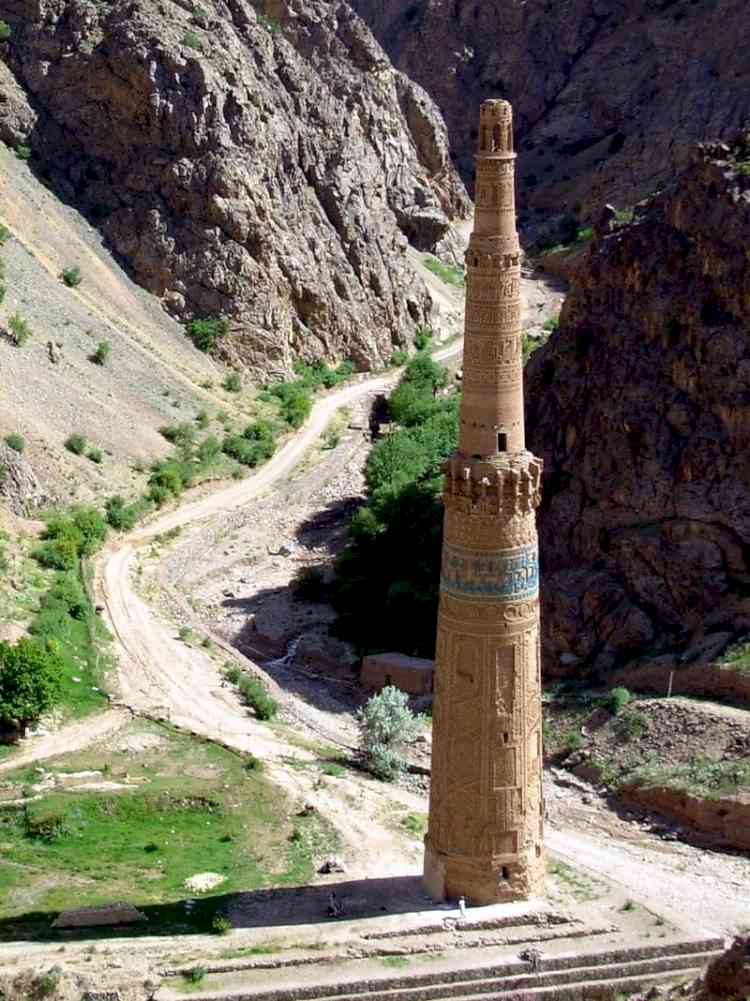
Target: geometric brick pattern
<point x="485" y="832"/>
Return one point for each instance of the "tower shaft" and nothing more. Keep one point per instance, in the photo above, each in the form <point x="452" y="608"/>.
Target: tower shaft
<point x="484" y="840"/>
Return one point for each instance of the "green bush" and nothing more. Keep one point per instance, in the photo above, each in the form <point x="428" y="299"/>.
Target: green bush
<point x="295" y="402"/>
<point x="254" y="695"/>
<point x="386" y="586"/>
<point x="23" y="152"/>
<point x="233" y="382"/>
<point x="66" y="538"/>
<point x="29" y="682"/>
<point x="399" y="358"/>
<point x="308" y="584"/>
<point x="20" y="331"/>
<point x="422" y="338"/>
<point x="208" y="451"/>
<point x="72" y="276"/>
<point x="631" y="725"/>
<point x="182" y="435"/>
<point x="5" y="233"/>
<point x="617" y="699"/>
<point x="221" y="925"/>
<point x="202" y="419"/>
<point x="206" y="333"/>
<point x="195" y="974"/>
<point x="75" y="443"/>
<point x="15" y="441"/>
<point x="193" y="41"/>
<point x="386" y="724"/>
<point x="103" y="351"/>
<point x="5" y="31"/>
<point x="121" y="516"/>
<point x="95" y="455"/>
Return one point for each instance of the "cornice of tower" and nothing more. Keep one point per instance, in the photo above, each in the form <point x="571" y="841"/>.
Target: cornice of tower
<point x="508" y="483"/>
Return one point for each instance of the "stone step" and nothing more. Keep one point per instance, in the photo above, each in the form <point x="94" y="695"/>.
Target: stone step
<point x="498" y="986"/>
<point x="593" y="990"/>
<point x="571" y="972"/>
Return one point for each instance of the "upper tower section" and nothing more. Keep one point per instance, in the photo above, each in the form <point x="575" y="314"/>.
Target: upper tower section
<point x="491" y="427"/>
<point x="495" y="200"/>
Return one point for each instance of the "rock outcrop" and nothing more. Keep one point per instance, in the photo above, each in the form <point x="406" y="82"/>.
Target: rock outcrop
<point x="20" y="490"/>
<point x="608" y="95"/>
<point x="261" y="162"/>
<point x="639" y="405"/>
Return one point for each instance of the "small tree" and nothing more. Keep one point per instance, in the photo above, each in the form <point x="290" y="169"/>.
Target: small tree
<point x="206" y="332"/>
<point x="29" y="682"/>
<point x="385" y="724"/>
<point x="617" y="700"/>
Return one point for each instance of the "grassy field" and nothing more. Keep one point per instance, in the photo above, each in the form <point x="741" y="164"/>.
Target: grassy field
<point x="188" y="807"/>
<point x="702" y="777"/>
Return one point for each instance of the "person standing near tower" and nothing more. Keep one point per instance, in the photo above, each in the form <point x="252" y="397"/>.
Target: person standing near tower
<point x="485" y="832"/>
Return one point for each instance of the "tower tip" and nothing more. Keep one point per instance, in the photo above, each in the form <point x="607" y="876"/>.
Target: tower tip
<point x="495" y="127"/>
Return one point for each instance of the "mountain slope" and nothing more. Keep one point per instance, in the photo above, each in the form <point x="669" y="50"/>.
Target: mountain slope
<point x="153" y="376"/>
<point x="266" y="165"/>
<point x="639" y="406"/>
<point x="608" y="95"/>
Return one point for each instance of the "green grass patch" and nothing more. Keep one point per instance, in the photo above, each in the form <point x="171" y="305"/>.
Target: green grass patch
<point x="574" y="882"/>
<point x="197" y="809"/>
<point x="415" y="823"/>
<point x="450" y="274"/>
<point x="738" y="657"/>
<point x="702" y="777"/>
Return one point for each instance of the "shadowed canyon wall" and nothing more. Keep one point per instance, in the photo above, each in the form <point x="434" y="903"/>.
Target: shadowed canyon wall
<point x="639" y="406"/>
<point x="609" y="95"/>
<point x="266" y="164"/>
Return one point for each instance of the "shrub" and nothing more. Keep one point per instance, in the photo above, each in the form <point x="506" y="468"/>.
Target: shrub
<point x="67" y="538"/>
<point x="208" y="451"/>
<point x="20" y="331"/>
<point x="385" y="724"/>
<point x="399" y="358"/>
<point x="182" y="435"/>
<point x="103" y="349"/>
<point x="121" y="516"/>
<point x="295" y="402"/>
<point x="72" y="276"/>
<point x="309" y="584"/>
<point x="95" y="455"/>
<point x="76" y="443"/>
<point x="195" y="974"/>
<point x="257" y="698"/>
<point x="5" y="233"/>
<point x="29" y="682"/>
<point x="23" y="152"/>
<point x="47" y="822"/>
<point x="551" y="323"/>
<point x="422" y="338"/>
<point x="5" y="31"/>
<point x="221" y="925"/>
<point x="15" y="441"/>
<point x="207" y="332"/>
<point x="617" y="700"/>
<point x="202" y="419"/>
<point x="253" y="764"/>
<point x="631" y="725"/>
<point x="233" y="382"/>
<point x="193" y="41"/>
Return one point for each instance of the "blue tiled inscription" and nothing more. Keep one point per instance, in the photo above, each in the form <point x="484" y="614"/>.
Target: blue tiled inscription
<point x="507" y="575"/>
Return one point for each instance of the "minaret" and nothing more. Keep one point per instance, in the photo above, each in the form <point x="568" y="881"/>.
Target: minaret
<point x="484" y="840"/>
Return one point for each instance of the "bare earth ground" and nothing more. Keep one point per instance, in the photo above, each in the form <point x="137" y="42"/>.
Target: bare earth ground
<point x="161" y="675"/>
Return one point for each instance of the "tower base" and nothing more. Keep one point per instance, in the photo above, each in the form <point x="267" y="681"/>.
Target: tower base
<point x="481" y="881"/>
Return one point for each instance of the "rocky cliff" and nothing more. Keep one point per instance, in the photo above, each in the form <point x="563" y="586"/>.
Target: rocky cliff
<point x="264" y="163"/>
<point x="640" y="406"/>
<point x="608" y="95"/>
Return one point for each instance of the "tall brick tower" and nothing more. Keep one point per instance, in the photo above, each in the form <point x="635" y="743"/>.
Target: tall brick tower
<point x="486" y="812"/>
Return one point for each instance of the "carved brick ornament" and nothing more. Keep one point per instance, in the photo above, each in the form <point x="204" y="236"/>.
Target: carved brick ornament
<point x="484" y="840"/>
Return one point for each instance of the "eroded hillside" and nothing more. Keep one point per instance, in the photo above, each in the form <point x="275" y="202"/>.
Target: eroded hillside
<point x="608" y="95"/>
<point x="639" y="406"/>
<point x="265" y="164"/>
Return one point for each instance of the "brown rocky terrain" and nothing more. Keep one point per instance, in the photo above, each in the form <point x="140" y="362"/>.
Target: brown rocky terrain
<point x="639" y="406"/>
<point x="260" y="162"/>
<point x="608" y="95"/>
